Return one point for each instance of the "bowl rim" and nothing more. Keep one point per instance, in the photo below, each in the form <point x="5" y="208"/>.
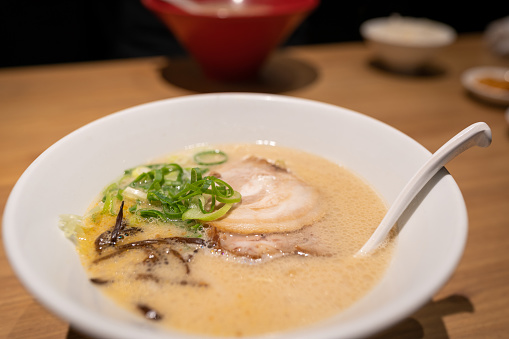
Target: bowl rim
<point x="287" y="8"/>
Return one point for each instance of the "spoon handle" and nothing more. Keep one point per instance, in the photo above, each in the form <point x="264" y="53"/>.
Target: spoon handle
<point x="478" y="134"/>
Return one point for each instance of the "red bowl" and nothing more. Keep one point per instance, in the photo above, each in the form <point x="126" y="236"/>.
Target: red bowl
<point x="230" y="42"/>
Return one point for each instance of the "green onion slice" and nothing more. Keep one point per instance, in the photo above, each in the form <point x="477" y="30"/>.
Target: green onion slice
<point x="236" y="197"/>
<point x="211" y="157"/>
<point x="197" y="214"/>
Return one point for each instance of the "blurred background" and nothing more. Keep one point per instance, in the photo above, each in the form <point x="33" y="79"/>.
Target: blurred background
<point x="60" y="31"/>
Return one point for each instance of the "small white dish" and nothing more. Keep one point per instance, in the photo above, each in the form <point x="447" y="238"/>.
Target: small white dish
<point x="485" y="83"/>
<point x="406" y="44"/>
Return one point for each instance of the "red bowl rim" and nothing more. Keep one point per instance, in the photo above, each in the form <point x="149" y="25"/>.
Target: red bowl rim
<point x="289" y="7"/>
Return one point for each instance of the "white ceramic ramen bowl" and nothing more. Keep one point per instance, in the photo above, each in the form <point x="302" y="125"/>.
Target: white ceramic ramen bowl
<point x="406" y="44"/>
<point x="66" y="177"/>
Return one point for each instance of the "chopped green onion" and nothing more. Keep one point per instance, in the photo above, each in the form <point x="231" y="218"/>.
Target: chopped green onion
<point x="209" y="158"/>
<point x="236" y="197"/>
<point x="197" y="214"/>
<point x="171" y="193"/>
<point x="110" y="193"/>
<point x="151" y="214"/>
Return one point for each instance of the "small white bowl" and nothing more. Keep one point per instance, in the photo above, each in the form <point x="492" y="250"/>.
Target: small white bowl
<point x="474" y="79"/>
<point x="406" y="44"/>
<point x="69" y="174"/>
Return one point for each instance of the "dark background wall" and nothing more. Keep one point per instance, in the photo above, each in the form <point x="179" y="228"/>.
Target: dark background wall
<point x="43" y="32"/>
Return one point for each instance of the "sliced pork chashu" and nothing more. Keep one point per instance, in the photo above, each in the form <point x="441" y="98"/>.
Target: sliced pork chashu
<point x="273" y="199"/>
<point x="276" y="212"/>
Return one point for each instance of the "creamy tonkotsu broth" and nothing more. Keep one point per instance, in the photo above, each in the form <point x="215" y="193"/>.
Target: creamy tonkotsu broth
<point x="232" y="280"/>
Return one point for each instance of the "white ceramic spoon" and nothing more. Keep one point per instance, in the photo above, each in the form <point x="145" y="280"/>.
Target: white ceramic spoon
<point x="478" y="134"/>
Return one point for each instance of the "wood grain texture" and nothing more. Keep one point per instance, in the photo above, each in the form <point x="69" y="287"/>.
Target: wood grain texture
<point x="41" y="104"/>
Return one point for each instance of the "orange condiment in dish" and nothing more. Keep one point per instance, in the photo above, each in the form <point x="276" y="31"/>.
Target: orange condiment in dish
<point x="497" y="83"/>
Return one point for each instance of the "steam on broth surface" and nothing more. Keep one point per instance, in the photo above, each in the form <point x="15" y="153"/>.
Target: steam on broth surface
<point x="227" y="277"/>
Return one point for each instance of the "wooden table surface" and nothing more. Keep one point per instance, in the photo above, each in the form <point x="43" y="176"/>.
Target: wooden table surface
<point x="41" y="104"/>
